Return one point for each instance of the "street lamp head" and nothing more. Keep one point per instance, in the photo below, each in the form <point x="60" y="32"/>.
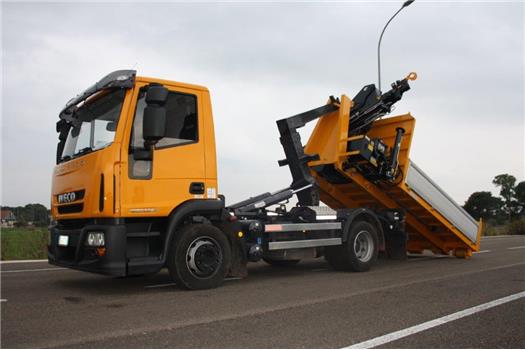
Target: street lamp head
<point x="405" y="4"/>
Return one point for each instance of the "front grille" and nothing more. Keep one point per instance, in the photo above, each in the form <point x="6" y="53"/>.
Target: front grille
<point x="72" y="224"/>
<point x="78" y="195"/>
<point x="70" y="208"/>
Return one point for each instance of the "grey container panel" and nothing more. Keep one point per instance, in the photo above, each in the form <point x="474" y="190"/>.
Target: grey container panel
<point x="421" y="184"/>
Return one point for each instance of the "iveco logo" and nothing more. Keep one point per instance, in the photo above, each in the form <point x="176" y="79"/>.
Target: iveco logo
<point x="66" y="197"/>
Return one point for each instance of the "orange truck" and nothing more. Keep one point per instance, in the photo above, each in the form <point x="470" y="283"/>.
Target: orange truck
<point x="135" y="188"/>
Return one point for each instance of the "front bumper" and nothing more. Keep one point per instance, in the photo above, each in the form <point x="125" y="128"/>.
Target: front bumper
<point x="78" y="256"/>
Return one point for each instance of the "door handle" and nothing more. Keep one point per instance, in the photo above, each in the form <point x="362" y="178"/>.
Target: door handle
<point x="197" y="188"/>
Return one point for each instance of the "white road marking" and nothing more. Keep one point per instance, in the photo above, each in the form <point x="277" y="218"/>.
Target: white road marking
<point x="482" y="251"/>
<point x="233" y="278"/>
<point x="33" y="270"/>
<point x="21" y="261"/>
<point x="387" y="338"/>
<point x="3" y="300"/>
<point x="520" y="247"/>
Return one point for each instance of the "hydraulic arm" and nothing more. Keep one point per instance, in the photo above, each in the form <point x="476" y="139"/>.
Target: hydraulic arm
<point x="356" y="159"/>
<point x="369" y="105"/>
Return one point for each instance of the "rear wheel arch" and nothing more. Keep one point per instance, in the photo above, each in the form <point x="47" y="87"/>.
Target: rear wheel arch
<point x="367" y="216"/>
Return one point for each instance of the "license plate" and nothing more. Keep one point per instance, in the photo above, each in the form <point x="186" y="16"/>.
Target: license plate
<point x="63" y="240"/>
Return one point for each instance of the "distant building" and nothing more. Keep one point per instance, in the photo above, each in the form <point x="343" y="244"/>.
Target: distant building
<point x="7" y="218"/>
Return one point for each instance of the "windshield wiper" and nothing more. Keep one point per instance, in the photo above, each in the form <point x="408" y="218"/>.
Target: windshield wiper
<point x="80" y="152"/>
<point x="83" y="151"/>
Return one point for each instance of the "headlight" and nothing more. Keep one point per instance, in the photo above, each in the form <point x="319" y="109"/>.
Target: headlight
<point x="95" y="239"/>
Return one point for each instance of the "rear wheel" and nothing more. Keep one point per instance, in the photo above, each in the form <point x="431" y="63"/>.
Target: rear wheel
<point x="281" y="263"/>
<point x="359" y="252"/>
<point x="199" y="257"/>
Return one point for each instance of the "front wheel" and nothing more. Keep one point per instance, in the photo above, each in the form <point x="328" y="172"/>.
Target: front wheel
<point x="199" y="257"/>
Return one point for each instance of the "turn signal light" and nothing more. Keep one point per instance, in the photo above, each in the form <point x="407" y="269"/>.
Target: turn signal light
<point x="101" y="251"/>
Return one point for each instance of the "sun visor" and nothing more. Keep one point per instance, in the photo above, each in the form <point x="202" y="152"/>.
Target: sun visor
<point x="118" y="79"/>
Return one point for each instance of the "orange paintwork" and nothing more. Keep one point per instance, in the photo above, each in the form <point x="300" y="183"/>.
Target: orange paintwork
<point x="174" y="168"/>
<point x="426" y="227"/>
<point x="326" y="138"/>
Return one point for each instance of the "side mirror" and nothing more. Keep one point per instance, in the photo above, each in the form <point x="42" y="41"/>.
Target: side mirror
<point x="154" y="119"/>
<point x="111" y="126"/>
<point x="143" y="154"/>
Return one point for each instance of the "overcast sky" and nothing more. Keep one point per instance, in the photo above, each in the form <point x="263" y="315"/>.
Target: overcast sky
<point x="266" y="61"/>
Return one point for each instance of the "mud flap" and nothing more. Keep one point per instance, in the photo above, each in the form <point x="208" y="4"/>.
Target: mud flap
<point x="239" y="255"/>
<point x="396" y="245"/>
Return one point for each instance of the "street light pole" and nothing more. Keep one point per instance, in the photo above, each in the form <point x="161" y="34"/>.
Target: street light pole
<point x="405" y="4"/>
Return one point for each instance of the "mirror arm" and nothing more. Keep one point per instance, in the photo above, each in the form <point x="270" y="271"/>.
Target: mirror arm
<point x="143" y="154"/>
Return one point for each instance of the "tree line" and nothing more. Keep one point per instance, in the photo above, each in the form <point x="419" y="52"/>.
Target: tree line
<point x="508" y="206"/>
<point x="37" y="214"/>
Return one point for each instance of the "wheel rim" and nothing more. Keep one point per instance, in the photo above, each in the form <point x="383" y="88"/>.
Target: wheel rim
<point x="363" y="246"/>
<point x="203" y="257"/>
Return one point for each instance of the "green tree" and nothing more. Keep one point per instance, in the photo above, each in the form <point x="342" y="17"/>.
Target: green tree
<point x="483" y="205"/>
<point x="506" y="183"/>
<point x="34" y="213"/>
<point x="519" y="195"/>
<point x="38" y="214"/>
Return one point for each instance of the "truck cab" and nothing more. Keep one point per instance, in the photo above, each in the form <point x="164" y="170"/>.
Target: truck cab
<point x="114" y="193"/>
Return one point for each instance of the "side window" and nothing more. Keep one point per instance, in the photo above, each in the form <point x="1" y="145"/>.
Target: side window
<point x="181" y="120"/>
<point x="181" y="128"/>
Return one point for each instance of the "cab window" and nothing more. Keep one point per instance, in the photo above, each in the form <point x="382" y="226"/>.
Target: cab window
<point x="181" y="121"/>
<point x="181" y="128"/>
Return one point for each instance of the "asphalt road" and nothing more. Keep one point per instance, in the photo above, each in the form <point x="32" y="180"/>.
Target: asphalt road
<point x="305" y="306"/>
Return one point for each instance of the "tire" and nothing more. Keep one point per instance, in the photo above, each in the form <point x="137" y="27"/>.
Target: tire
<point x="358" y="253"/>
<point x="199" y="257"/>
<point x="281" y="263"/>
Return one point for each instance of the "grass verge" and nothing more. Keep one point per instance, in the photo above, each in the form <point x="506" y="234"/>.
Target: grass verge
<point x="516" y="227"/>
<point x="24" y="243"/>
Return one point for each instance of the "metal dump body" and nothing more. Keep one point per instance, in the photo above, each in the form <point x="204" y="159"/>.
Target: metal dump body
<point x="420" y="183"/>
<point x="433" y="220"/>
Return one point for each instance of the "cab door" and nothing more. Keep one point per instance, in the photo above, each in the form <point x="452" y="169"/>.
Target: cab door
<point x="176" y="172"/>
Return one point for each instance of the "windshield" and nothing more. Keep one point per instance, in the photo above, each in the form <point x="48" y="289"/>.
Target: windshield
<point x="94" y="124"/>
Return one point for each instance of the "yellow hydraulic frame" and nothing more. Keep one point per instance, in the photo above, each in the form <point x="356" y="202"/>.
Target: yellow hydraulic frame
<point x="426" y="227"/>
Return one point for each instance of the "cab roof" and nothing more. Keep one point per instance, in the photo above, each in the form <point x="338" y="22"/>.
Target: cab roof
<point x="171" y="83"/>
